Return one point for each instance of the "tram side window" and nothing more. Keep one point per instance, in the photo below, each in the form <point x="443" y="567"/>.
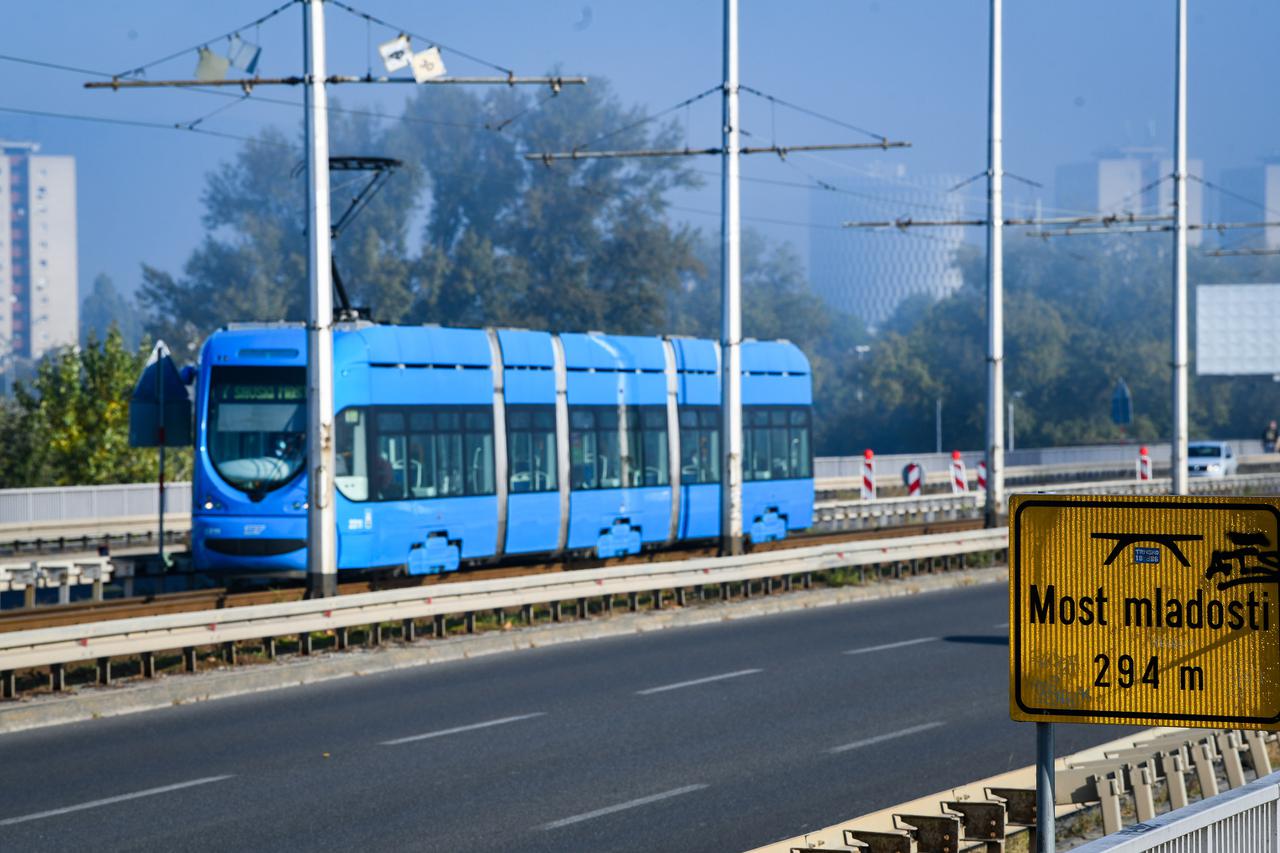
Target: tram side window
<point x="478" y="441"/>
<point x="649" y="464"/>
<point x="351" y="469"/>
<point x="389" y="458"/>
<point x="776" y="443"/>
<point x="595" y="460"/>
<point x="699" y="445"/>
<point x="415" y="452"/>
<point x="531" y="448"/>
<point x="801" y="453"/>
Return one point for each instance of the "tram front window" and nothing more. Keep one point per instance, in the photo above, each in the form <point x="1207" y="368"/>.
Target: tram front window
<point x="257" y="425"/>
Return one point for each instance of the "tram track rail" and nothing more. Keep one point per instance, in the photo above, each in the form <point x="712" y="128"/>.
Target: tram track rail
<point x="218" y="598"/>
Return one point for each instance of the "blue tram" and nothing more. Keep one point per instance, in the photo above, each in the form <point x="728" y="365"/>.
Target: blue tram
<point x="458" y="446"/>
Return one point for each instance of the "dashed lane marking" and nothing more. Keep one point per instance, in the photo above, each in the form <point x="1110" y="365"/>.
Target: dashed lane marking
<point x="697" y="681"/>
<point x="871" y="741"/>
<point x="459" y="729"/>
<point x="630" y="804"/>
<point x="887" y="646"/>
<point x="108" y="801"/>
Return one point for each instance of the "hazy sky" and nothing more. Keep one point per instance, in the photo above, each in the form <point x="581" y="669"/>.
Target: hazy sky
<point x="1080" y="78"/>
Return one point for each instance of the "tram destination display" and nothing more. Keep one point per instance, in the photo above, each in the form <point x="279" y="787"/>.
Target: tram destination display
<point x="1145" y="610"/>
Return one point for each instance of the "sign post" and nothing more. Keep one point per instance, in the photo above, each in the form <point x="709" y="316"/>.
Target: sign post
<point x="1148" y="610"/>
<point x="1046" y="831"/>
<point x="160" y="415"/>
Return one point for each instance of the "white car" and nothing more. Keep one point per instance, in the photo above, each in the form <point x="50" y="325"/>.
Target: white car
<point x="1211" y="459"/>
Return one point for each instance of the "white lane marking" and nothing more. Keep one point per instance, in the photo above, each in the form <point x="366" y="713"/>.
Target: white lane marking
<point x="888" y="646"/>
<point x="93" y="804"/>
<point x="1001" y="625"/>
<point x="697" y="681"/>
<point x="457" y="729"/>
<point x="890" y="736"/>
<point x="630" y="804"/>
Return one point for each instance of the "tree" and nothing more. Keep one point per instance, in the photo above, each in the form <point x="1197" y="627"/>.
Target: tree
<point x="1078" y="317"/>
<point x="777" y="303"/>
<point x="71" y="425"/>
<point x="105" y="307"/>
<point x="581" y="245"/>
<point x="504" y="241"/>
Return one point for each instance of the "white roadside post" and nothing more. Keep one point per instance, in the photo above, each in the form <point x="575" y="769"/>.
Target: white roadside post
<point x="1178" y="472"/>
<point x="731" y="299"/>
<point x="322" y="566"/>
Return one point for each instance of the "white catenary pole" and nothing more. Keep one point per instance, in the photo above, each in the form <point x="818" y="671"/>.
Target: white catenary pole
<point x="1179" y="444"/>
<point x="731" y="307"/>
<point x="995" y="278"/>
<point x="322" y="567"/>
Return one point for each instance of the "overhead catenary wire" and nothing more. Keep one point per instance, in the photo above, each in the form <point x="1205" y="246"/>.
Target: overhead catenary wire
<point x="1234" y="195"/>
<point x="548" y="157"/>
<point x="1234" y="253"/>
<point x="687" y="102"/>
<point x="258" y="98"/>
<point x="1107" y="219"/>
<point x="825" y="186"/>
<point x="555" y="81"/>
<point x="499" y="126"/>
<point x="916" y="184"/>
<point x="813" y="113"/>
<point x="154" y="125"/>
<point x="1088" y="229"/>
<point x="369" y="17"/>
<point x="191" y="125"/>
<point x="228" y="34"/>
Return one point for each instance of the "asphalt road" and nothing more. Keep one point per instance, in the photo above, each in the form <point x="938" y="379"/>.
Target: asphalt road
<point x="714" y="737"/>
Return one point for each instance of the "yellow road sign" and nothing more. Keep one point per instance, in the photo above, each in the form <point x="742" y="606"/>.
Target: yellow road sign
<point x="1145" y="610"/>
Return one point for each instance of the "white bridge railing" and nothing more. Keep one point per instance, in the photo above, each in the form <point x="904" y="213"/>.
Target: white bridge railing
<point x="62" y="504"/>
<point x="1244" y="819"/>
<point x="97" y="640"/>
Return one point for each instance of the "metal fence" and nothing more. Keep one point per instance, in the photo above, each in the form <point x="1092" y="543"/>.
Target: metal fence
<point x="75" y="503"/>
<point x="1246" y="819"/>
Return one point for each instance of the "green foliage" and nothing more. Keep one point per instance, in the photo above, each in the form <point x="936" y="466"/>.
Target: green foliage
<point x="503" y="240"/>
<point x="1078" y="317"/>
<point x="71" y="426"/>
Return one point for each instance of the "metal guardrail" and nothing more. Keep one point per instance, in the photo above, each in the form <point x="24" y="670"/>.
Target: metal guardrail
<point x="1155" y="773"/>
<point x="56" y="574"/>
<point x="858" y="514"/>
<point x="144" y="635"/>
<point x="853" y="514"/>
<point x="1245" y="819"/>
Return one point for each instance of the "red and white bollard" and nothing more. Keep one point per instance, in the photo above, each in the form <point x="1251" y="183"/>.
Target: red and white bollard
<point x="982" y="475"/>
<point x="959" y="477"/>
<point x="912" y="475"/>
<point x="868" y="475"/>
<point x="1144" y="463"/>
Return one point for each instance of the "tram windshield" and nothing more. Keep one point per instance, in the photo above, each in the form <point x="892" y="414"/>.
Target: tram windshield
<point x="257" y="425"/>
